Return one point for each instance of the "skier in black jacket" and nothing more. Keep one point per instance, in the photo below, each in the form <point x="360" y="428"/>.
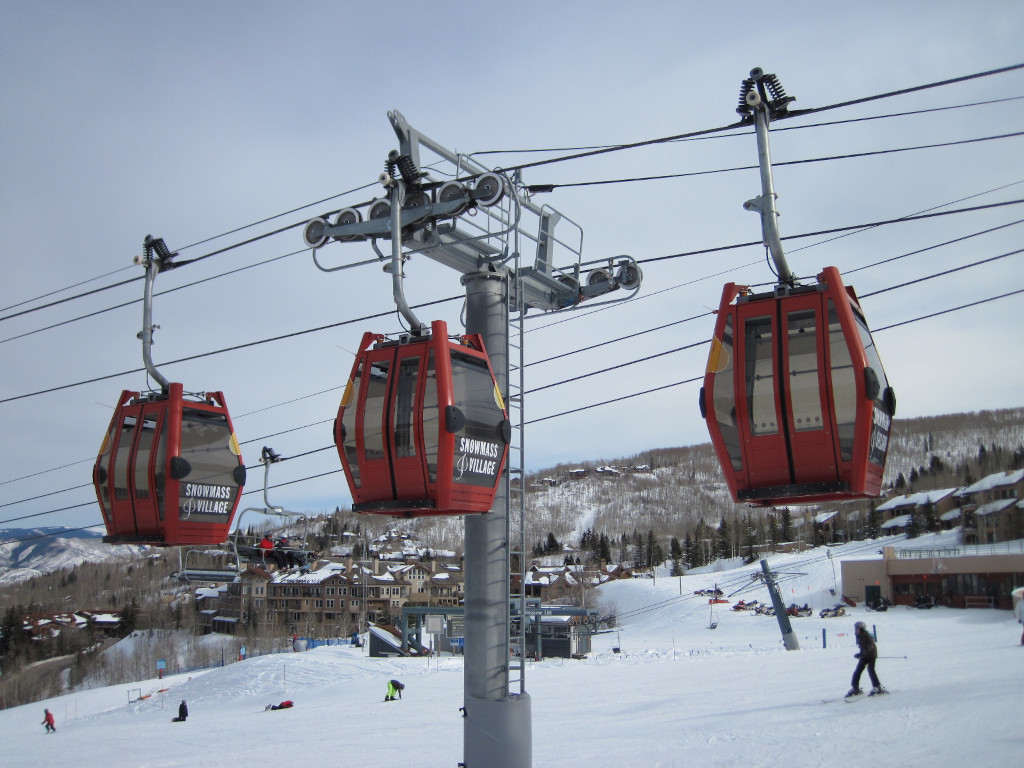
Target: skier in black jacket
<point x="866" y="658"/>
<point x="182" y="712"/>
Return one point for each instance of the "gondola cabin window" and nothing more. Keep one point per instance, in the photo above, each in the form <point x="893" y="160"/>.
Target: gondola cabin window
<point x="844" y="384"/>
<point x="349" y="452"/>
<point x="479" y="446"/>
<point x="760" y="375"/>
<point x="804" y="388"/>
<point x="208" y="457"/>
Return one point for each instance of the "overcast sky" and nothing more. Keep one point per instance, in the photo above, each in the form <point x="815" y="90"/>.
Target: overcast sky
<point x="187" y="120"/>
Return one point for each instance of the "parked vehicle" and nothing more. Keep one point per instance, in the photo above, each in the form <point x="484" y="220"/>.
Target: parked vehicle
<point x="831" y="613"/>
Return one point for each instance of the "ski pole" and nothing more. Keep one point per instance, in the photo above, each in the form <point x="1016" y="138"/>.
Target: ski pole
<point x="891" y="657"/>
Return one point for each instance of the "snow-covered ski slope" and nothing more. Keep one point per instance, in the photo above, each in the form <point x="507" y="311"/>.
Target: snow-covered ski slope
<point x="677" y="693"/>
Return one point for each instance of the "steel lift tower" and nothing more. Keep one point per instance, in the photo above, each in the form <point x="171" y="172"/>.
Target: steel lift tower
<point x="422" y="212"/>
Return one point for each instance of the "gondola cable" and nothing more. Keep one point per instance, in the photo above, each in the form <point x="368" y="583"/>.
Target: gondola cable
<point x="378" y="315"/>
<point x="792" y="113"/>
<point x="805" y="161"/>
<point x="588" y="153"/>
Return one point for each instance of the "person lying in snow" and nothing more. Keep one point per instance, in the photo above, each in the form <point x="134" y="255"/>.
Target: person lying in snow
<point x="286" y="704"/>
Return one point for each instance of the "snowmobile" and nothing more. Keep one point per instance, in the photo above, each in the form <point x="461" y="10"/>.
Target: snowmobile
<point x="831" y="613"/>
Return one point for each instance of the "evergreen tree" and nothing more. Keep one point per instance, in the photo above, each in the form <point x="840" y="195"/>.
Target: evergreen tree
<point x="12" y="636"/>
<point x="638" y="550"/>
<point x="587" y="540"/>
<point x="552" y="546"/>
<point x="655" y="554"/>
<point x="689" y="557"/>
<point x="913" y="525"/>
<point x="749" y="541"/>
<point x="723" y="540"/>
<point x="699" y="551"/>
<point x="129" y="619"/>
<point x="787" y="525"/>
<point x="872" y="528"/>
<point x="675" y="550"/>
<point x="675" y="554"/>
<point x="604" y="551"/>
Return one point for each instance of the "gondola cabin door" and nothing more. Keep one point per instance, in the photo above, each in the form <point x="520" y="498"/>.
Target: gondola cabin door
<point x="795" y="397"/>
<point x="422" y="428"/>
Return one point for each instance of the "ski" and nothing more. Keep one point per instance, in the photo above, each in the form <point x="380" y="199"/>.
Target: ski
<point x="851" y="699"/>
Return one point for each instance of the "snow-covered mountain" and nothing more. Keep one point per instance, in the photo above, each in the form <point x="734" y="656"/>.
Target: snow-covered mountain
<point x="28" y="552"/>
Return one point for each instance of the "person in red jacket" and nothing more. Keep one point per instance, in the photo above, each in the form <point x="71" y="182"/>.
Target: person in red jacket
<point x="48" y="721"/>
<point x="268" y="552"/>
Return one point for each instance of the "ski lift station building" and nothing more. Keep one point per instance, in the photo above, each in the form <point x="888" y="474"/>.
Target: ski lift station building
<point x="972" y="576"/>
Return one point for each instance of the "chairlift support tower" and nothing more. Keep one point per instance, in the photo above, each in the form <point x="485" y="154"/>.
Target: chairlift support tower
<point x="789" y="639"/>
<point x="423" y="215"/>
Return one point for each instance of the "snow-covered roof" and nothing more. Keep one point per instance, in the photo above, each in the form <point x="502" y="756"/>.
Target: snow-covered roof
<point x="953" y="514"/>
<point x="994" y="506"/>
<point x="312" y="577"/>
<point x="996" y="480"/>
<point x="897" y="522"/>
<point x="824" y="517"/>
<point x="916" y="499"/>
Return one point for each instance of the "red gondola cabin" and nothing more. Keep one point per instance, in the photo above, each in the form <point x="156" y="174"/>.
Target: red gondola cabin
<point x="170" y="471"/>
<point x="795" y="398"/>
<point x="422" y="428"/>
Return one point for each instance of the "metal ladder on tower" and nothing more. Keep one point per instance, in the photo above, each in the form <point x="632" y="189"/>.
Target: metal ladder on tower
<point x="516" y="489"/>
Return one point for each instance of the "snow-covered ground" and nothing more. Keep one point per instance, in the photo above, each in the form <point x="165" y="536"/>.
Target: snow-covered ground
<point x="677" y="694"/>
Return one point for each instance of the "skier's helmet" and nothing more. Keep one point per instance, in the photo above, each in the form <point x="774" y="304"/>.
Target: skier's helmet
<point x="859" y="626"/>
